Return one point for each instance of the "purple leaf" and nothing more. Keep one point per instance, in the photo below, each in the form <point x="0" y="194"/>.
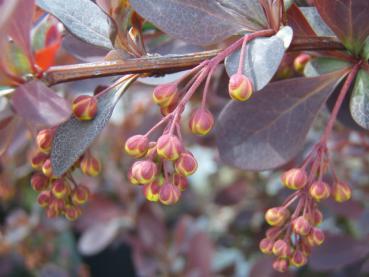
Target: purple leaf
<point x="84" y="19"/>
<point x="348" y="19"/>
<point x="269" y="130"/>
<point x="200" y="22"/>
<point x="40" y="105"/>
<point x="338" y="251"/>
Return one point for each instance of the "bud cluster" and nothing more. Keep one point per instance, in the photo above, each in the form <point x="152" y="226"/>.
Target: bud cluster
<point x="163" y="169"/>
<point x="60" y="195"/>
<point x="292" y="235"/>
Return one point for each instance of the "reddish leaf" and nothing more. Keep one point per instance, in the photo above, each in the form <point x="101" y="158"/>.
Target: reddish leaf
<point x="39" y="105"/>
<point x="232" y="194"/>
<point x="298" y="22"/>
<point x="348" y="19"/>
<point x="338" y="251"/>
<point x="269" y="130"/>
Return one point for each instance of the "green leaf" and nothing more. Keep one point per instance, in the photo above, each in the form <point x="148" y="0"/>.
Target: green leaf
<point x="73" y="137"/>
<point x="323" y="65"/>
<point x="359" y="102"/>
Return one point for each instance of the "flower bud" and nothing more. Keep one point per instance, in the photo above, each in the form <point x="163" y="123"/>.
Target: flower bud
<point x="300" y="62"/>
<point x="137" y="146"/>
<point x="240" y="87"/>
<point x="280" y="265"/>
<point x="298" y="259"/>
<point x="72" y="212"/>
<point x="144" y="171"/>
<point x="80" y="195"/>
<point x="44" y="140"/>
<point x="132" y="179"/>
<point x="295" y="178"/>
<point x="84" y="107"/>
<point x="315" y="237"/>
<point x="341" y="192"/>
<point x="301" y="226"/>
<point x="47" y="169"/>
<point x="186" y="164"/>
<point x="266" y="246"/>
<point x="90" y="165"/>
<point x="151" y="191"/>
<point x="169" y="194"/>
<point x="55" y="207"/>
<point x="167" y="110"/>
<point x="44" y="198"/>
<point x="319" y="190"/>
<point x="180" y="182"/>
<point x="276" y="216"/>
<point x="201" y="122"/>
<point x="317" y="217"/>
<point x="165" y="95"/>
<point x="169" y="147"/>
<point x="38" y="160"/>
<point x="305" y="247"/>
<point x="281" y="249"/>
<point x="39" y="182"/>
<point x="59" y="188"/>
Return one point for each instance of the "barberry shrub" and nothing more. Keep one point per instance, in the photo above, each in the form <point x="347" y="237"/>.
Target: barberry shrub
<point x="284" y="62"/>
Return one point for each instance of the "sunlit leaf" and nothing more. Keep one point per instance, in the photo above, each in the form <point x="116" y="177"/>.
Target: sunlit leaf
<point x="348" y="19"/>
<point x="270" y="129"/>
<point x="40" y="105"/>
<point x="323" y="65"/>
<point x="73" y="137"/>
<point x="84" y="19"/>
<point x="263" y="57"/>
<point x="316" y="22"/>
<point x="359" y="103"/>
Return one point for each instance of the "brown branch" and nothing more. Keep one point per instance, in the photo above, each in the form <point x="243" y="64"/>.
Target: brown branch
<point x="157" y="65"/>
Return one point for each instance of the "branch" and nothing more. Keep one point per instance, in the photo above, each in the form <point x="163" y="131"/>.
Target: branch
<point x="158" y="65"/>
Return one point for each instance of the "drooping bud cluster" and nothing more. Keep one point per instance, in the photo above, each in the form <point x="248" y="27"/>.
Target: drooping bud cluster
<point x="84" y="107"/>
<point x="60" y="195"/>
<point x="163" y="170"/>
<point x="292" y="235"/>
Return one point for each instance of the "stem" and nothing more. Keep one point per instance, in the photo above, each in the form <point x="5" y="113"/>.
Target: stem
<point x="160" y="65"/>
<point x="346" y="86"/>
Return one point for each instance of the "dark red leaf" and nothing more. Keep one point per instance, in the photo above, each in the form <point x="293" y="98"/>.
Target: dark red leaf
<point x="348" y="19"/>
<point x="40" y="105"/>
<point x="298" y="22"/>
<point x="270" y="129"/>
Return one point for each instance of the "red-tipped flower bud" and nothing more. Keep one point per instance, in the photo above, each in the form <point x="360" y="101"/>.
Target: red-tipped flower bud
<point x="165" y="95"/>
<point x="44" y="140"/>
<point x="266" y="246"/>
<point x="55" y="207"/>
<point x="169" y="194"/>
<point x="144" y="171"/>
<point x="90" y="165"/>
<point x="281" y="249"/>
<point x="137" y="146"/>
<point x="80" y="195"/>
<point x="38" y="160"/>
<point x="301" y="226"/>
<point x="300" y="62"/>
<point x="315" y="237"/>
<point x="276" y="216"/>
<point x="201" y="122"/>
<point x="85" y="107"/>
<point x="186" y="164"/>
<point x="180" y="181"/>
<point x="317" y="217"/>
<point x="39" y="182"/>
<point x="72" y="212"/>
<point x="239" y="87"/>
<point x="47" y="169"/>
<point x="131" y="178"/>
<point x="295" y="178"/>
<point x="280" y="265"/>
<point x="169" y="147"/>
<point x="43" y="199"/>
<point x="319" y="190"/>
<point x="151" y="191"/>
<point x="341" y="192"/>
<point x="298" y="259"/>
<point x="59" y="188"/>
